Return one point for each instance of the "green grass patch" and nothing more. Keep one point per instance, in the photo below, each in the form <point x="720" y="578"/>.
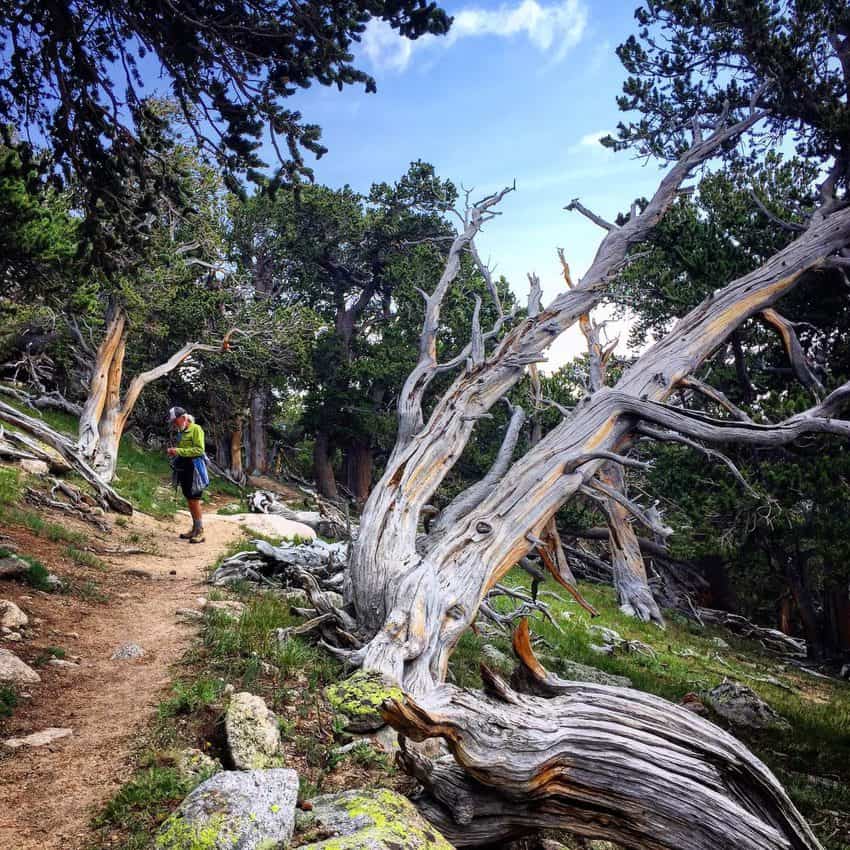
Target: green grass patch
<point x="85" y="559"/>
<point x="39" y="526"/>
<point x="142" y="804"/>
<point x="38" y="576"/>
<point x="188" y="697"/>
<point x="8" y="700"/>
<point x="10" y="486"/>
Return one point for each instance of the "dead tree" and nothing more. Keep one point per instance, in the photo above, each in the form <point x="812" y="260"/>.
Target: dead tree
<point x="105" y="413"/>
<point x="415" y="594"/>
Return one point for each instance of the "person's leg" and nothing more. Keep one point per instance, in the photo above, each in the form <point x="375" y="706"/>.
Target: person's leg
<point x="197" y="520"/>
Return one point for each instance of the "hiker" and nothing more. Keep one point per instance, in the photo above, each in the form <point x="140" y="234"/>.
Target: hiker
<point x="190" y="468"/>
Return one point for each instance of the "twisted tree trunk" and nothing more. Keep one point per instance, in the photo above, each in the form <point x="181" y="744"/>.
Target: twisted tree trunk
<point x="602" y="762"/>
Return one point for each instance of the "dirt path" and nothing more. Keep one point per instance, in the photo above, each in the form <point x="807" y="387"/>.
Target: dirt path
<point x="48" y="794"/>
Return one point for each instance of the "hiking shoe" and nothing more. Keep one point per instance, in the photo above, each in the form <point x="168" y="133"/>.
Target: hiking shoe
<point x="198" y="537"/>
<point x="187" y="535"/>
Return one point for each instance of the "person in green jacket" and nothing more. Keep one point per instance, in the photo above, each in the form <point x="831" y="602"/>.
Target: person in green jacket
<point x="189" y="468"/>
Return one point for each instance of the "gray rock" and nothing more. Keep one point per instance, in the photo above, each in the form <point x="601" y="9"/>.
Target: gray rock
<point x="229" y="607"/>
<point x="38" y="739"/>
<point x="12" y="636"/>
<point x="54" y="582"/>
<point x="501" y="662"/>
<point x="253" y="734"/>
<point x="189" y="613"/>
<point x="11" y="566"/>
<point x="14" y="671"/>
<point x="33" y="466"/>
<point x="63" y="664"/>
<point x="11" y="616"/>
<point x="369" y="820"/>
<point x="576" y="672"/>
<point x="719" y="643"/>
<point x="235" y="810"/>
<point x="742" y="706"/>
<point x="126" y="651"/>
<point x="845" y="672"/>
<point x="606" y="636"/>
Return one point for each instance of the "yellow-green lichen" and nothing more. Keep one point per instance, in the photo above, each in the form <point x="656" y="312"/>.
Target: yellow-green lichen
<point x="362" y="694"/>
<point x="396" y="823"/>
<point x="176" y="834"/>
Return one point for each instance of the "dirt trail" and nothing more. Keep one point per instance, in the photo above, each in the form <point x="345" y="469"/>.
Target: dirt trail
<point x="48" y="794"/>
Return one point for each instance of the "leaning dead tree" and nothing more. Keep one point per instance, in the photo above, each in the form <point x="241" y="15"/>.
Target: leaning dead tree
<point x="105" y="413"/>
<point x="413" y="595"/>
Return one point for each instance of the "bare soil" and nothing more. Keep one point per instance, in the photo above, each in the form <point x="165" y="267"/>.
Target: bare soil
<point x="49" y="794"/>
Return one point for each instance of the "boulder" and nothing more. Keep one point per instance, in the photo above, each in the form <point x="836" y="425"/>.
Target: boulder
<point x="576" y="672"/>
<point x="11" y="616"/>
<point x="33" y="466"/>
<point x="232" y="608"/>
<point x="234" y="810"/>
<point x="253" y="734"/>
<point x="272" y="525"/>
<point x="742" y="706"/>
<point x="193" y="763"/>
<point x="14" y="671"/>
<point x="127" y="651"/>
<point x="38" y="739"/>
<point x="368" y="820"/>
<point x="360" y="697"/>
<point x="11" y="566"/>
<point x="497" y="659"/>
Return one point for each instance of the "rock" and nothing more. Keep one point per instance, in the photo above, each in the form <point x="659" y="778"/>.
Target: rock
<point x="234" y="810"/>
<point x="229" y="607"/>
<point x="742" y="706"/>
<point x="14" y="671"/>
<point x="11" y="566"/>
<point x="845" y="672"/>
<point x="606" y="636"/>
<point x="576" y="672"/>
<point x="12" y="636"/>
<point x="126" y="651"/>
<point x="189" y="613"/>
<point x="193" y="763"/>
<point x="501" y="662"/>
<point x="360" y="697"/>
<point x="60" y="662"/>
<point x="11" y="616"/>
<point x="38" y="739"/>
<point x="693" y="703"/>
<point x="253" y="734"/>
<point x="54" y="582"/>
<point x="369" y="820"/>
<point x="272" y="525"/>
<point x="719" y="643"/>
<point x="33" y="467"/>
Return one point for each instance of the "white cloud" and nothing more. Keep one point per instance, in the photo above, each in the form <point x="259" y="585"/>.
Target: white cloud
<point x="591" y="140"/>
<point x="553" y="28"/>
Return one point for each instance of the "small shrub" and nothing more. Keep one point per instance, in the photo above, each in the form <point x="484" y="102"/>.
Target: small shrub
<point x="188" y="697"/>
<point x="8" y="700"/>
<point x="38" y="576"/>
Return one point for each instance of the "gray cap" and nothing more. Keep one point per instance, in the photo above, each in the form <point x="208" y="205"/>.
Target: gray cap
<point x="175" y="413"/>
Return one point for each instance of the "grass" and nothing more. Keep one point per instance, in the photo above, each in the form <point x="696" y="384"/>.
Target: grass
<point x="8" y="700"/>
<point x="140" y="806"/>
<point x="188" y="697"/>
<point x="687" y="660"/>
<point x="85" y="559"/>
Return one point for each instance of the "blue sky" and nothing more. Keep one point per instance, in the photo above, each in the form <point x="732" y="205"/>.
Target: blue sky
<point x="519" y="90"/>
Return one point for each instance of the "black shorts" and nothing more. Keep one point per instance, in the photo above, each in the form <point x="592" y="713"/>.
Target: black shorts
<point x="186" y="478"/>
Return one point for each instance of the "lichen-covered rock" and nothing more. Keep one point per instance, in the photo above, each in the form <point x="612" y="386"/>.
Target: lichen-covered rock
<point x="742" y="706"/>
<point x="253" y="734"/>
<point x="360" y="697"/>
<point x="193" y="763"/>
<point x="14" y="671"/>
<point x="497" y="659"/>
<point x="369" y="820"/>
<point x="11" y="566"/>
<point x="11" y="616"/>
<point x="576" y="672"/>
<point x="234" y="810"/>
<point x="127" y="651"/>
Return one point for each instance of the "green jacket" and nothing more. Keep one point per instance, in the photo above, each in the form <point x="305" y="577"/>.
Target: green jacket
<point x="190" y="443"/>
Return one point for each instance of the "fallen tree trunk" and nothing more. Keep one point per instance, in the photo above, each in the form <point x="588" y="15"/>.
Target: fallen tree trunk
<point x="770" y="639"/>
<point x="38" y="429"/>
<point x="602" y="762"/>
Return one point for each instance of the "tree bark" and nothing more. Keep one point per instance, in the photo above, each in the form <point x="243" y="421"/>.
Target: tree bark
<point x="322" y="468"/>
<point x="236" y="468"/>
<point x="258" y="460"/>
<point x="359" y="464"/>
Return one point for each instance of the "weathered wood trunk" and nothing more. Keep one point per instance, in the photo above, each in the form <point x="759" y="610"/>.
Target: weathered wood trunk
<point x="258" y="446"/>
<point x="602" y="762"/>
<point x="236" y="468"/>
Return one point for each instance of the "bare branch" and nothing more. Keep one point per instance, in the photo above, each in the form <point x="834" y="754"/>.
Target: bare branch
<point x="716" y="396"/>
<point x="791" y="226"/>
<point x="796" y="355"/>
<point x="577" y="206"/>
<point x="633" y="508"/>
